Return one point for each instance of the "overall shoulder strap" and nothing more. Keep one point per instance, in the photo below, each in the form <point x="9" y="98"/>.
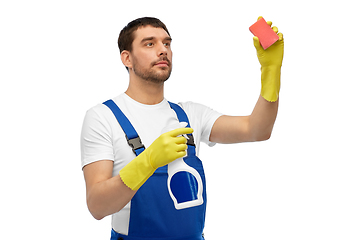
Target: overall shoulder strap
<point x="132" y="137"/>
<point x="181" y="115"/>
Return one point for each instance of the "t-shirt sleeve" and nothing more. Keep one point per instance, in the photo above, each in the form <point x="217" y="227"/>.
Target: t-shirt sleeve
<point x="96" y="140"/>
<point x="202" y="117"/>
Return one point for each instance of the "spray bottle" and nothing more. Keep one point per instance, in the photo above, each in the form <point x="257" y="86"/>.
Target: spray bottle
<point x="184" y="182"/>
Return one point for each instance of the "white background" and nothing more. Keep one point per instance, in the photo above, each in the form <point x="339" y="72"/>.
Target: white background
<point x="60" y="58"/>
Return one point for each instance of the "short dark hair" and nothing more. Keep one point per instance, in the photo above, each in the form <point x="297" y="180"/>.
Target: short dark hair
<point x="126" y="36"/>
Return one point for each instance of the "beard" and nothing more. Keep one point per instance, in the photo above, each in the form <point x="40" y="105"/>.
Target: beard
<point x="151" y="75"/>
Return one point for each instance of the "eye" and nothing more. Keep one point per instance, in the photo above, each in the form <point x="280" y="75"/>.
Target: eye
<point x="149" y="44"/>
<point x="167" y="44"/>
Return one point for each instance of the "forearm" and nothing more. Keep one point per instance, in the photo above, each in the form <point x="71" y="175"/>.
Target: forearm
<point x="108" y="197"/>
<point x="262" y="119"/>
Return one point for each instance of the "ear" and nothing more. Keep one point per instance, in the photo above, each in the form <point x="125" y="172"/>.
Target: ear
<point x="126" y="58"/>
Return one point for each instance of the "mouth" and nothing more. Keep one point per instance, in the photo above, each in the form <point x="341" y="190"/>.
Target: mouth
<point x="162" y="64"/>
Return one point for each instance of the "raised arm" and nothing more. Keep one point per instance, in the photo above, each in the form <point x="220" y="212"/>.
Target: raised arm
<point x="257" y="126"/>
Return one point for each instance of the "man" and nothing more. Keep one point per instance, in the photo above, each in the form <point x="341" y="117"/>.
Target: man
<point x="116" y="178"/>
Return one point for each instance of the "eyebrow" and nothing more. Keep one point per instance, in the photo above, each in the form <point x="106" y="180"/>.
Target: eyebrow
<point x="152" y="38"/>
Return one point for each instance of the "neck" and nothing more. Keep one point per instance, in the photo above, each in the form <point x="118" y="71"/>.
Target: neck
<point x="145" y="92"/>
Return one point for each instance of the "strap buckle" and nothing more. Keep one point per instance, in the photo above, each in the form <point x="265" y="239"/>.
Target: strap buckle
<point x="135" y="143"/>
<point x="190" y="140"/>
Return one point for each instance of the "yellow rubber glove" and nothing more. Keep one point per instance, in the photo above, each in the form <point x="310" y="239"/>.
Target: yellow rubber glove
<point x="165" y="149"/>
<point x="271" y="62"/>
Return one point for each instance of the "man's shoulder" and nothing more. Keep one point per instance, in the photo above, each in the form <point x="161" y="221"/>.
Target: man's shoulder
<point x="193" y="107"/>
<point x="198" y="110"/>
<point x="190" y="104"/>
<point x="101" y="108"/>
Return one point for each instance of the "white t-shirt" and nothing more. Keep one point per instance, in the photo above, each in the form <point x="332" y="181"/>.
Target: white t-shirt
<point x="102" y="138"/>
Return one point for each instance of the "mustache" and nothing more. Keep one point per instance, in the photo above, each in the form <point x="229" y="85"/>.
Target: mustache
<point x="164" y="58"/>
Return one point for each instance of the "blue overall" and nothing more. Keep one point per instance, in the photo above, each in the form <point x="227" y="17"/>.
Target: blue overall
<point x="152" y="212"/>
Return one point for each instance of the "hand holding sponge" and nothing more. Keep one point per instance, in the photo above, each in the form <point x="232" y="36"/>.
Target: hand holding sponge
<point x="269" y="45"/>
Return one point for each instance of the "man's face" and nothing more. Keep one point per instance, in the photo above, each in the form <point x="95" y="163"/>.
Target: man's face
<point x="151" y="54"/>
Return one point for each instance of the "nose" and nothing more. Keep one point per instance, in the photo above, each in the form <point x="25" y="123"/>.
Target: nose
<point x="163" y="51"/>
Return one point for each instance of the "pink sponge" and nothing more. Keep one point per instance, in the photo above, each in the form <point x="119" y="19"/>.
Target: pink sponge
<point x="264" y="32"/>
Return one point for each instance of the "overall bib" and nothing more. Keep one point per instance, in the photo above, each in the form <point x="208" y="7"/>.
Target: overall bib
<point x="153" y="215"/>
